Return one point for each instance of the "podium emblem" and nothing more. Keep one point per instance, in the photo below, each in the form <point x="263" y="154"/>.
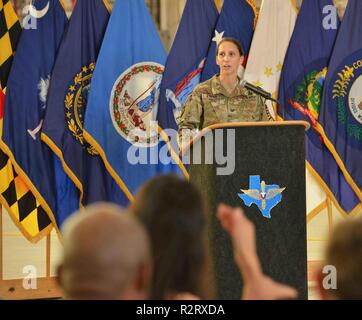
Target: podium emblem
<point x="265" y="196"/>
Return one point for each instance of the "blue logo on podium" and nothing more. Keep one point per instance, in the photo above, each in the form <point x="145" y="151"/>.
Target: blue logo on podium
<point x="265" y="196"/>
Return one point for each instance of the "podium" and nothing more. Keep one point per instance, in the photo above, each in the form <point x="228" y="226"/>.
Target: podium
<point x="270" y="163"/>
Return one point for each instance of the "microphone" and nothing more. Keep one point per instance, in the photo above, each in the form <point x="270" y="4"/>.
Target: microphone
<point x="256" y="89"/>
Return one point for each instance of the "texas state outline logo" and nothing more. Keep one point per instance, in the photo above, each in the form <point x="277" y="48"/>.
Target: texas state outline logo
<point x="264" y="196"/>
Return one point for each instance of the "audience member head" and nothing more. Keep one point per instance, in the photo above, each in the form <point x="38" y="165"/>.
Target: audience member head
<point x="172" y="211"/>
<point x="106" y="255"/>
<point x="344" y="253"/>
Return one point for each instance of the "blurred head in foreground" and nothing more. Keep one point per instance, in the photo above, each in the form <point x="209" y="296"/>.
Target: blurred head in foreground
<point x="172" y="210"/>
<point x="106" y="255"/>
<point x="341" y="275"/>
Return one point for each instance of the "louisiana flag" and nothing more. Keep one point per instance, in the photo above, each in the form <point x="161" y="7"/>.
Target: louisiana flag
<point x="25" y="103"/>
<point x="15" y="196"/>
<point x="67" y="101"/>
<point x="186" y="59"/>
<point x="302" y="81"/>
<point x="238" y="20"/>
<point x="341" y="110"/>
<point x="123" y="100"/>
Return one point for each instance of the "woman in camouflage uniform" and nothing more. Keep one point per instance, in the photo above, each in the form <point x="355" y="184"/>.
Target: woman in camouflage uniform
<point x="222" y="98"/>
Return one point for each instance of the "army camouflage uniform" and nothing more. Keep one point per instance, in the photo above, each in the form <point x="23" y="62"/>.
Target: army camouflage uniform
<point x="211" y="103"/>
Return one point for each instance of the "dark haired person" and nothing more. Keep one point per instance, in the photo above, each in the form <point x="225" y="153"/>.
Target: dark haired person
<point x="222" y="98"/>
<point x="172" y="212"/>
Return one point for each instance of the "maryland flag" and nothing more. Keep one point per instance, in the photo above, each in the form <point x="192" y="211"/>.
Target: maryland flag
<point x="9" y="35"/>
<point x="15" y="195"/>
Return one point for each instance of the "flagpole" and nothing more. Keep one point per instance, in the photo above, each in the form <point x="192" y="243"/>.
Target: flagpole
<point x="16" y="5"/>
<point x="48" y="248"/>
<point x="330" y="216"/>
<point x="1" y="243"/>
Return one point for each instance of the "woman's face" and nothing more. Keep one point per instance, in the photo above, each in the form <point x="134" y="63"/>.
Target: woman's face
<point x="229" y="58"/>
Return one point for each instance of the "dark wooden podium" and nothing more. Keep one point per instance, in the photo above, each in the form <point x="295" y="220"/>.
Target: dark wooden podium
<point x="267" y="155"/>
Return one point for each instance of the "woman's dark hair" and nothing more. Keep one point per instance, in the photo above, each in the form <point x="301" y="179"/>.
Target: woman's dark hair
<point x="173" y="213"/>
<point x="232" y="40"/>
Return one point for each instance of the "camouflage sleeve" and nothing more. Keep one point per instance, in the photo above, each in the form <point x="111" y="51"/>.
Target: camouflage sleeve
<point x="264" y="112"/>
<point x="190" y="118"/>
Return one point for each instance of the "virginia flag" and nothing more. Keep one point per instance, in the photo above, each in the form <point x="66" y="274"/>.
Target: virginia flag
<point x="341" y="110"/>
<point x="238" y="20"/>
<point x="26" y="101"/>
<point x="123" y="99"/>
<point x="302" y="81"/>
<point x="15" y="196"/>
<point x="270" y="43"/>
<point x="186" y="59"/>
<point x="67" y="102"/>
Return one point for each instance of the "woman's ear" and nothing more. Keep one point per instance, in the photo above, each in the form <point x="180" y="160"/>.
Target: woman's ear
<point x="242" y="58"/>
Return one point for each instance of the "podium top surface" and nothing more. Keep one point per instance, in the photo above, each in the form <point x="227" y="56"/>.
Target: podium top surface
<point x="256" y="124"/>
<point x="204" y="131"/>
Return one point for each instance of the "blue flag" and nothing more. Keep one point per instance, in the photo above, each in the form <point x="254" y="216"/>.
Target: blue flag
<point x="123" y="100"/>
<point x="238" y="20"/>
<point x="302" y="80"/>
<point x="26" y="100"/>
<point x="186" y="59"/>
<point x="341" y="110"/>
<point x="67" y="102"/>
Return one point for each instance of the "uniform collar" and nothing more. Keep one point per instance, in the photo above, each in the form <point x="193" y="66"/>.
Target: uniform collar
<point x="217" y="88"/>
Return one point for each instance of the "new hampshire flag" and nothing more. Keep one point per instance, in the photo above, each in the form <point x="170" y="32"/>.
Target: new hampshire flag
<point x="123" y="99"/>
<point x="67" y="102"/>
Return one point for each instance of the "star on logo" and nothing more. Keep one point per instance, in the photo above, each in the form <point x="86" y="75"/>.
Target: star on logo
<point x="218" y="37"/>
<point x="279" y="67"/>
